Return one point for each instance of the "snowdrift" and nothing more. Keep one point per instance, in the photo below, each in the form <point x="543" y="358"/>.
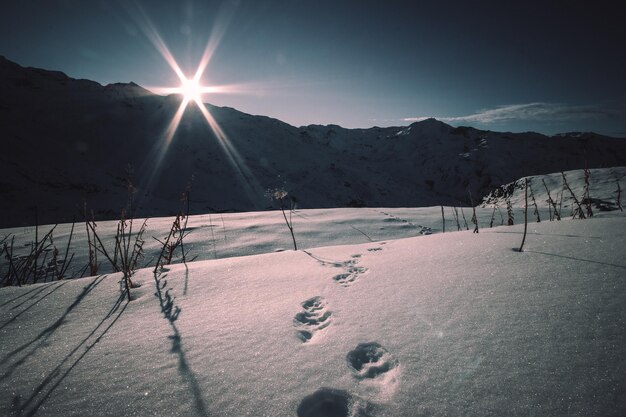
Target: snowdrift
<point x="454" y="324"/>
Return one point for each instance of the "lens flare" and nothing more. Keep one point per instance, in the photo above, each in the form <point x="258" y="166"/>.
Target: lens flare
<point x="192" y="91"/>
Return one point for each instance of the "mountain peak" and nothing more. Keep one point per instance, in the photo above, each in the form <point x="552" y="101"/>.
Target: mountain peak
<point x="430" y="122"/>
<point x="7" y="63"/>
<point x="129" y="87"/>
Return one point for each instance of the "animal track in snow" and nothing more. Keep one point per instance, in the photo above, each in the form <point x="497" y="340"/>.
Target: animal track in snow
<point x="374" y="249"/>
<point x="313" y="317"/>
<point x="369" y="360"/>
<point x="352" y="271"/>
<point x="423" y="230"/>
<point x="329" y="402"/>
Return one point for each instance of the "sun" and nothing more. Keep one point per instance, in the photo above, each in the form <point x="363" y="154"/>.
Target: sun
<point x="191" y="90"/>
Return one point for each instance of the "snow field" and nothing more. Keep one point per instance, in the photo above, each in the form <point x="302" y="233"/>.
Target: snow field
<point x="448" y="324"/>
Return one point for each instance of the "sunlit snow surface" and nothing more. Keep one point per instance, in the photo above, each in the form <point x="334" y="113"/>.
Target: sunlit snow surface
<point x="455" y="324"/>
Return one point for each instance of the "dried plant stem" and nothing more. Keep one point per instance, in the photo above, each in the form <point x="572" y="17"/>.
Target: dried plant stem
<point x="521" y="248"/>
<point x="578" y="211"/>
<point x="443" y="221"/>
<point x="619" y="196"/>
<point x="551" y="202"/>
<point x="474" y="218"/>
<point x="532" y="196"/>
<point x="464" y="220"/>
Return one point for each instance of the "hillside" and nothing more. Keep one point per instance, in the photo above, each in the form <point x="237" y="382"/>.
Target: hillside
<point x="605" y="189"/>
<point x="225" y="235"/>
<point x="453" y="324"/>
<point x="67" y="141"/>
<point x="379" y="314"/>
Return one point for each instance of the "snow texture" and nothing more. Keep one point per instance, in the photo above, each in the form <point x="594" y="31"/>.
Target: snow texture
<point x="454" y="324"/>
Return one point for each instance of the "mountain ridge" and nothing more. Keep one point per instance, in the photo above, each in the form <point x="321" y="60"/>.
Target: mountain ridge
<point x="68" y="142"/>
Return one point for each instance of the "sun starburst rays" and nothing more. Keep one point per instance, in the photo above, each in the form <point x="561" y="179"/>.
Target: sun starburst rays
<point x="192" y="90"/>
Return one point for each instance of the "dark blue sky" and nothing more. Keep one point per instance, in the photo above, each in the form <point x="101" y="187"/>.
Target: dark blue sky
<point x="498" y="65"/>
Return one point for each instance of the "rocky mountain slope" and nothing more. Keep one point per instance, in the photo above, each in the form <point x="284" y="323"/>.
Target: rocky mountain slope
<point x="67" y="142"/>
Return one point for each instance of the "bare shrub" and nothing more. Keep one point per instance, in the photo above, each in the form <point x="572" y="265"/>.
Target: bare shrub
<point x="42" y="263"/>
<point x="175" y="238"/>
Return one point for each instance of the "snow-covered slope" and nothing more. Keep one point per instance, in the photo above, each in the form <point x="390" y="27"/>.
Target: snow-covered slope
<point x="222" y="235"/>
<point x="606" y="186"/>
<point x="454" y="324"/>
<point x="67" y="141"/>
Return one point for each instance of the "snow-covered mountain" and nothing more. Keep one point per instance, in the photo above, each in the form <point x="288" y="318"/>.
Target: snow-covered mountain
<point x="379" y="314"/>
<point x="605" y="190"/>
<point x="67" y="141"/>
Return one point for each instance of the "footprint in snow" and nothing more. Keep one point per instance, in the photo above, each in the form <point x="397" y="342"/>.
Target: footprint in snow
<point x="313" y="318"/>
<point x="370" y="360"/>
<point x="425" y="230"/>
<point x="352" y="271"/>
<point x="374" y="249"/>
<point x="329" y="402"/>
<point x="351" y="275"/>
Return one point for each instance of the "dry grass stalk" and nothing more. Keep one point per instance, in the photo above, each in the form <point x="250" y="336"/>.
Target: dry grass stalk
<point x="280" y="195"/>
<point x="577" y="210"/>
<point x="551" y="202"/>
<point x="175" y="237"/>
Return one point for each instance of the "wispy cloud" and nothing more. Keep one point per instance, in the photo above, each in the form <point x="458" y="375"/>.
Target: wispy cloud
<point x="538" y="112"/>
